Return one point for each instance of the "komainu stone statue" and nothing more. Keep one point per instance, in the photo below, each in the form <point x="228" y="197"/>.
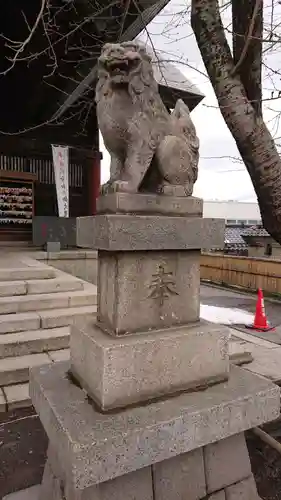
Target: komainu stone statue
<point x="151" y="150"/>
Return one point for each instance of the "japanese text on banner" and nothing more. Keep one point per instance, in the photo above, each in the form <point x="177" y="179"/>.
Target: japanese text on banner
<point x="61" y="161"/>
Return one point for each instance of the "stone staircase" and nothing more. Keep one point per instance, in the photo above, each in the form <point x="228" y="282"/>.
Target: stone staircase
<point x="37" y="306"/>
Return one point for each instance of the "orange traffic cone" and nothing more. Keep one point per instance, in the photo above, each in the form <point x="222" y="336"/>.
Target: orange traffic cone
<point x="260" y="321"/>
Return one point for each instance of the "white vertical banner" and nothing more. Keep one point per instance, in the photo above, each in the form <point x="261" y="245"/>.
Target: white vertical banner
<point x="61" y="161"/>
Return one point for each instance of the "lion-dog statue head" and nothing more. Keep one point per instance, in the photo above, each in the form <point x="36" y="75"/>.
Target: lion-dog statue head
<point x="124" y="65"/>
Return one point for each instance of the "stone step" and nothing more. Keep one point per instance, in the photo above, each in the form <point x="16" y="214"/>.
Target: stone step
<point x="61" y="355"/>
<point x="66" y="317"/>
<point x="53" y="285"/>
<point x="19" y="322"/>
<point x="25" y="303"/>
<point x="34" y="342"/>
<point x="26" y="273"/>
<point x="16" y="370"/>
<point x="16" y="396"/>
<point x="9" y="288"/>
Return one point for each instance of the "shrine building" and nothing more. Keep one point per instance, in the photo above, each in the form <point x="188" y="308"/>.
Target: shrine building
<point x="47" y="97"/>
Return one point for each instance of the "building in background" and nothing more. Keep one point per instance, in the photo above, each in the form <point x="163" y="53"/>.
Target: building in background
<point x="260" y="243"/>
<point x="234" y="242"/>
<point x="244" y="233"/>
<point x="235" y="213"/>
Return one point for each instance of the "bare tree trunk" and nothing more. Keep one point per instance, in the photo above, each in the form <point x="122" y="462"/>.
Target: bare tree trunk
<point x="247" y="26"/>
<point x="252" y="137"/>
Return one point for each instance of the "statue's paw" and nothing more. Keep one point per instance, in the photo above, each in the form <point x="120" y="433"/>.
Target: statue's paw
<point x="122" y="187"/>
<point x="117" y="187"/>
<point x="105" y="188"/>
<point x="176" y="190"/>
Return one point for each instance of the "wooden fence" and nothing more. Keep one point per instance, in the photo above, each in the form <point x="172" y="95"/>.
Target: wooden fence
<point x="246" y="272"/>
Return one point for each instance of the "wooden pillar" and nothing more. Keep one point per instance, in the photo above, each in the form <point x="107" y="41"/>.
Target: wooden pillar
<point x="94" y="178"/>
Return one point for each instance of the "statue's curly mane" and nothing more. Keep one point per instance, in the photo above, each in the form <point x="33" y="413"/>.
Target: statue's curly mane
<point x="103" y="85"/>
<point x="142" y="85"/>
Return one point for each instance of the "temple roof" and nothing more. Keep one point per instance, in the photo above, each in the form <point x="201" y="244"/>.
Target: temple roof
<point x="256" y="231"/>
<point x="151" y="9"/>
<point x="54" y="70"/>
<point x="233" y="237"/>
<point x="173" y="83"/>
<point x="53" y="88"/>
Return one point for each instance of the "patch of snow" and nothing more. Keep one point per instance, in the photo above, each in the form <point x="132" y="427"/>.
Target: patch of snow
<point x="225" y="316"/>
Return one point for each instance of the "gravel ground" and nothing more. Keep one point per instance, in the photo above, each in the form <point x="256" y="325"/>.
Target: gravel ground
<point x="23" y="445"/>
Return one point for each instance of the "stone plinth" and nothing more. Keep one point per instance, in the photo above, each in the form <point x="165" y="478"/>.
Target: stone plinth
<point x="149" y="259"/>
<point x="144" y="290"/>
<point x="157" y="447"/>
<point x="149" y="291"/>
<point x="121" y="233"/>
<point x="117" y="372"/>
<point x="127" y="203"/>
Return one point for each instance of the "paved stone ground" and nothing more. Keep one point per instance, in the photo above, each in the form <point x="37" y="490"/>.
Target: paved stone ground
<point x="266" y="348"/>
<point x="215" y="296"/>
<point x="247" y="302"/>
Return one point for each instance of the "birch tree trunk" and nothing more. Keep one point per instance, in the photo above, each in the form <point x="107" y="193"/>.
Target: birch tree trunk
<point x="252" y="137"/>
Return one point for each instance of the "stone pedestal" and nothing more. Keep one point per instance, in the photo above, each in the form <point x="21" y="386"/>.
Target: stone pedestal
<point x="141" y="290"/>
<point x="148" y="341"/>
<point x="148" y="408"/>
<point x="120" y="371"/>
<point x="187" y="446"/>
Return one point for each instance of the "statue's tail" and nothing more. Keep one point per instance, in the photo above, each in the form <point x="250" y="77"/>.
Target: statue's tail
<point x="181" y="115"/>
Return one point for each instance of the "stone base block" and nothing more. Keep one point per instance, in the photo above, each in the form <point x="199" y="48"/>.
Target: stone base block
<point x="195" y="474"/>
<point x="121" y="371"/>
<point x="115" y="233"/>
<point x="219" y="495"/>
<point x="53" y="246"/>
<point x="93" y="447"/>
<point x="144" y="290"/>
<point x="137" y="204"/>
<point x="134" y="486"/>
<point x="140" y="485"/>
<point x="220" y="470"/>
<point x="243" y="490"/>
<point x="181" y="477"/>
<point x="53" y="482"/>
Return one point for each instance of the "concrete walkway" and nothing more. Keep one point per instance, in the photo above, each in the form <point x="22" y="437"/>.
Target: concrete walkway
<point x="265" y="348"/>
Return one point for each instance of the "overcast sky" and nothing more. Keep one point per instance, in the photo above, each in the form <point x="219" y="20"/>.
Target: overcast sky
<point x="220" y="177"/>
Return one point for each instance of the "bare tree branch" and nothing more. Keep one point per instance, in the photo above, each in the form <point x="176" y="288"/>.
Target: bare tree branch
<point x="19" y="47"/>
<point x="249" y="37"/>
